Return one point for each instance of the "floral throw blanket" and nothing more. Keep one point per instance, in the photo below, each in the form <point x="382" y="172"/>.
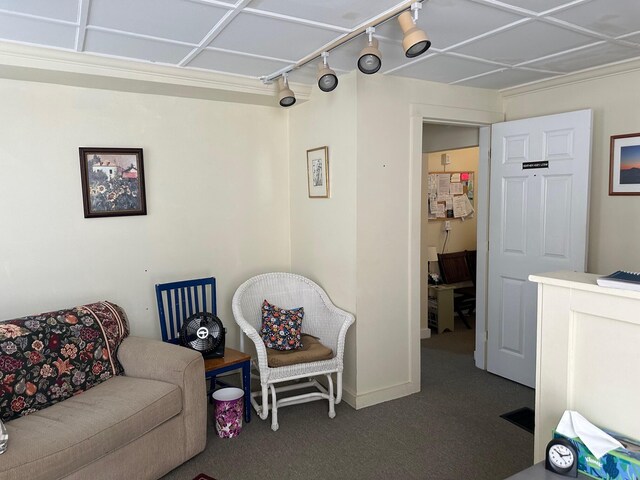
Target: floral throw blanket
<point x="47" y="358"/>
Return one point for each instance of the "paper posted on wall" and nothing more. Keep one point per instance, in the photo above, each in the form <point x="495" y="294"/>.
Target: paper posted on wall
<point x="443" y="184"/>
<point x="462" y="206"/>
<point x="459" y="207"/>
<point x="467" y="205"/>
<point x="456" y="189"/>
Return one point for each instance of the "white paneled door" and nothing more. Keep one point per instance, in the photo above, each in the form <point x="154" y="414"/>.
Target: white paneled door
<point x="539" y="207"/>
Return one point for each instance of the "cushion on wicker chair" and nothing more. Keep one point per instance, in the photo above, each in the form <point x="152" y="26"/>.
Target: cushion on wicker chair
<point x="281" y="327"/>
<point x="312" y="351"/>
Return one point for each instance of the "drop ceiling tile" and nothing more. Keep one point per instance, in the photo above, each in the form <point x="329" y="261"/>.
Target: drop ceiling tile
<point x="132" y="47"/>
<point x="449" y="22"/>
<point x="39" y="32"/>
<point x="444" y="68"/>
<point x="172" y="19"/>
<point x="234" y="63"/>
<point x="60" y="9"/>
<point x="270" y="37"/>
<point x="635" y="38"/>
<point x="505" y="79"/>
<point x="347" y="14"/>
<point x="536" y="5"/>
<point x="587" y="58"/>
<point x="306" y="74"/>
<point x="604" y="16"/>
<point x="525" y="42"/>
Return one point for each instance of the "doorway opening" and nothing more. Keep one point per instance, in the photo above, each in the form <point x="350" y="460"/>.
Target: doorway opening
<point x="448" y="237"/>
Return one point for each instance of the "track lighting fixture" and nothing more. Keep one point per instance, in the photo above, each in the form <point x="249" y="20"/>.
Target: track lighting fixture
<point x="415" y="41"/>
<point x="286" y="97"/>
<point x="370" y="59"/>
<point x="327" y="78"/>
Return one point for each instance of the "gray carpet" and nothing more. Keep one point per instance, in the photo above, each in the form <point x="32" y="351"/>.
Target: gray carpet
<point x="450" y="430"/>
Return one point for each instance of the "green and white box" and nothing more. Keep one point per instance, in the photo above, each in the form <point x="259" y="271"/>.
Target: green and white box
<point x="619" y="464"/>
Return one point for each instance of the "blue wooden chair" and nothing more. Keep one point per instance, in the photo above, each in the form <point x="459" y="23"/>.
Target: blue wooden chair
<point x="177" y="301"/>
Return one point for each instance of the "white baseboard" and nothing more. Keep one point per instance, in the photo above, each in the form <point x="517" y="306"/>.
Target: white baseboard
<point x="374" y="397"/>
<point x="425" y="333"/>
<point x="348" y="397"/>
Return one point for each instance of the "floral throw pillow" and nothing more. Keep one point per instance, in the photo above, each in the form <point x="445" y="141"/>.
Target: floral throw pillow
<point x="281" y="328"/>
<point x="47" y="358"/>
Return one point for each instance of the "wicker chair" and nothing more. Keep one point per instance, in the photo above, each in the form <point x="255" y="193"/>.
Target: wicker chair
<point x="322" y="319"/>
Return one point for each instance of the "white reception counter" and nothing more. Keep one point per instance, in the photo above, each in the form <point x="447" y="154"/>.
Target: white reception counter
<point x="588" y="354"/>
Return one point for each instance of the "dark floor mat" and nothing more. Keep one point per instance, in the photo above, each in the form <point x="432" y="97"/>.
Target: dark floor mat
<point x="524" y="418"/>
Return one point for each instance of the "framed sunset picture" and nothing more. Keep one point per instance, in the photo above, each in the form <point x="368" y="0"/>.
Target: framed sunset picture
<point x="624" y="173"/>
<point x="112" y="182"/>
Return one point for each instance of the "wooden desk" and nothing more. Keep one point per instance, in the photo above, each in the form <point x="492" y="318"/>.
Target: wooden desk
<point x="440" y="305"/>
<point x="232" y="360"/>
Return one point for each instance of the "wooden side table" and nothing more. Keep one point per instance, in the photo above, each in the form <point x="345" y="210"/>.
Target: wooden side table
<point x="232" y="360"/>
<point x="440" y="305"/>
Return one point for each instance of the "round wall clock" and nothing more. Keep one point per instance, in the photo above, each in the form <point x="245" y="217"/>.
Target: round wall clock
<point x="562" y="457"/>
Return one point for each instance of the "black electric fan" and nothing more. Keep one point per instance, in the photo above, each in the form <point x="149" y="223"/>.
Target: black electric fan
<point x="204" y="333"/>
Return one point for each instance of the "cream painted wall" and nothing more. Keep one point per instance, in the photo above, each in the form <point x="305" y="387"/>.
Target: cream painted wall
<point x="323" y="231"/>
<point x="446" y="137"/>
<point x="613" y="226"/>
<point x="217" y="198"/>
<point x="388" y="226"/>
<point x="463" y="233"/>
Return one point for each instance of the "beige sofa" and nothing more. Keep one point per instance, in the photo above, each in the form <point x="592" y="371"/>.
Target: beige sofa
<point x="139" y="425"/>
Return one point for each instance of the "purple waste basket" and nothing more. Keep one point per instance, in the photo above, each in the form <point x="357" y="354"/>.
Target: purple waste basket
<point x="229" y="409"/>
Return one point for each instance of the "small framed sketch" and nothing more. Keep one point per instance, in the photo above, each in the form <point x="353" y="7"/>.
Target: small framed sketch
<point x="624" y="174"/>
<point x="112" y="182"/>
<point x="318" y="172"/>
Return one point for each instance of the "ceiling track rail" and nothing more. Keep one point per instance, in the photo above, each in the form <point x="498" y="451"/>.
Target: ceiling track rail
<point x="394" y="12"/>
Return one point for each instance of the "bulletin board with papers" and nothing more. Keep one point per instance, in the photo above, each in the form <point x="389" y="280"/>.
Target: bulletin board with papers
<point x="450" y="195"/>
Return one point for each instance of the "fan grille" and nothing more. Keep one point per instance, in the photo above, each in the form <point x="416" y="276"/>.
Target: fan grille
<point x="202" y="332"/>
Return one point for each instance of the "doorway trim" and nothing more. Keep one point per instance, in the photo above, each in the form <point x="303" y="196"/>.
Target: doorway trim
<point x="423" y="113"/>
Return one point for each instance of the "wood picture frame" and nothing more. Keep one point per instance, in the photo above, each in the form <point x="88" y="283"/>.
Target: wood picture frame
<point x="112" y="182"/>
<point x="624" y="164"/>
<point x="318" y="172"/>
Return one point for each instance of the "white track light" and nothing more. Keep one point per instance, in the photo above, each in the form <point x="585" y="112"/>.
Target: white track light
<point x="370" y="59"/>
<point x="286" y="97"/>
<point x="327" y="78"/>
<point x="415" y="41"/>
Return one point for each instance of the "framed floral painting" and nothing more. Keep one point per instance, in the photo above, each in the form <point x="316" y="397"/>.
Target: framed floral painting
<point x="112" y="182"/>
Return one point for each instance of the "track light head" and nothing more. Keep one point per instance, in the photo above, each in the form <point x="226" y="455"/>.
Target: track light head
<point x="415" y="41"/>
<point x="286" y="97"/>
<point x="327" y="78"/>
<point x="370" y="58"/>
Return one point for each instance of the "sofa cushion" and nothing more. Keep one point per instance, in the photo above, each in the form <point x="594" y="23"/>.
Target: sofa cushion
<point x="58" y="440"/>
<point x="311" y="351"/>
<point x="48" y="357"/>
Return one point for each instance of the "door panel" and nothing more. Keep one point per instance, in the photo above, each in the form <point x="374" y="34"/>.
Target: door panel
<point x="514" y="225"/>
<point x="512" y="333"/>
<point x="537" y="223"/>
<point x="557" y="208"/>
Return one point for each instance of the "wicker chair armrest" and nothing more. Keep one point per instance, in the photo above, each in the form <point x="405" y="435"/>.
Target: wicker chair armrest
<point x="253" y="334"/>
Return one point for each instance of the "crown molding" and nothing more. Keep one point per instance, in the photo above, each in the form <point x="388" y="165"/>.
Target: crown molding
<point x="590" y="74"/>
<point x="23" y="62"/>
